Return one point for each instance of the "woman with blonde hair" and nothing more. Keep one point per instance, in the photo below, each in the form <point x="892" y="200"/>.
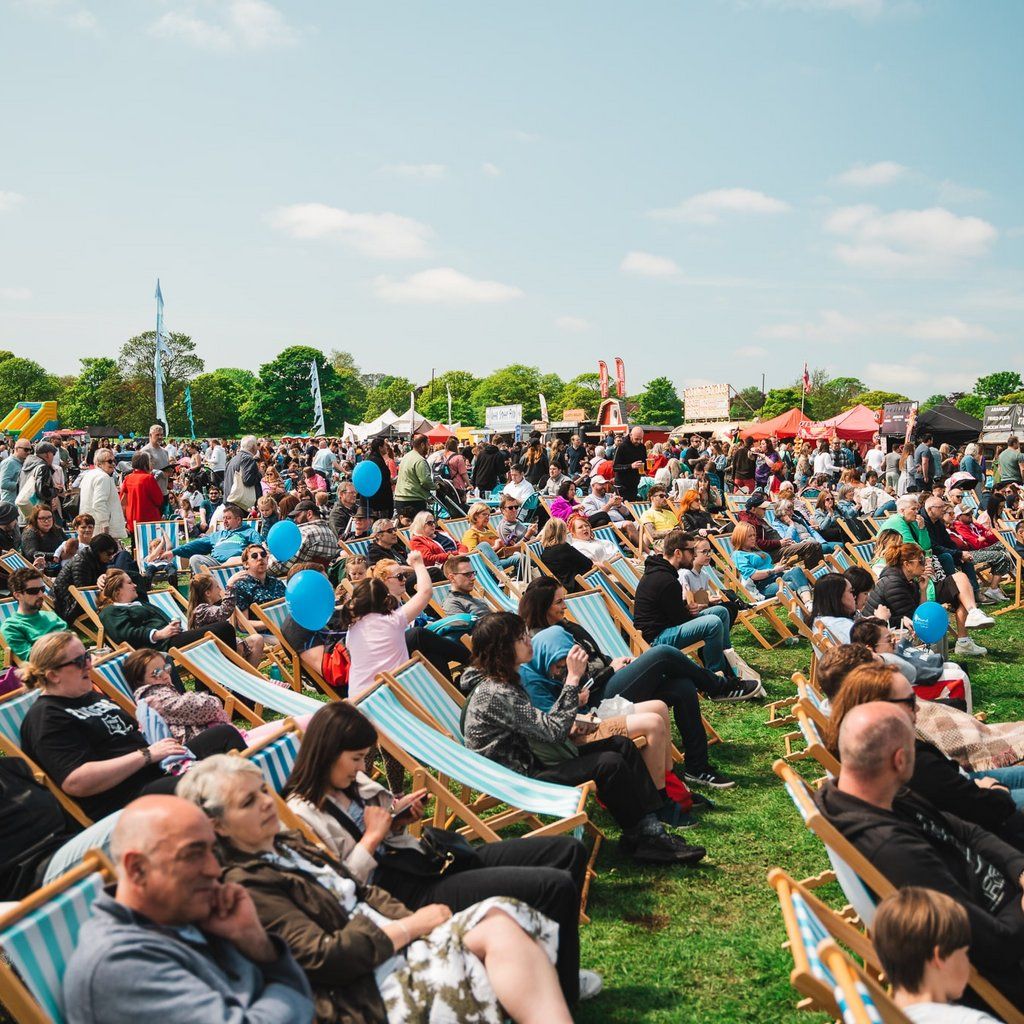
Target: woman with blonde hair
<point x="564" y="561"/>
<point x="429" y="541"/>
<point x="481" y="536"/>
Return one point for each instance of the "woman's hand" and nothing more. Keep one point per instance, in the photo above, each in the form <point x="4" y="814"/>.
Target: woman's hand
<point x="576" y="665"/>
<point x="409" y="808"/>
<point x="237" y="578"/>
<point x="426" y="919"/>
<point x="882" y="612"/>
<point x="171" y="629"/>
<point x="619" y="663"/>
<point x="376" y="823"/>
<point x="415" y="560"/>
<point x="166" y="748"/>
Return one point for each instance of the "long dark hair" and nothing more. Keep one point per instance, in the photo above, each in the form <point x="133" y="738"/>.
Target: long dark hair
<point x="494" y="646"/>
<point x="369" y="596"/>
<point x="828" y="596"/>
<point x="335" y="728"/>
<point x="536" y="602"/>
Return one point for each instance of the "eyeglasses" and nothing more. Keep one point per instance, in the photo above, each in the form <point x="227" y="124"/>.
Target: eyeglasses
<point x="514" y="508"/>
<point x="34" y="590"/>
<point x="163" y="670"/>
<point x="80" y="662"/>
<point x="910" y="701"/>
<point x="471" y="574"/>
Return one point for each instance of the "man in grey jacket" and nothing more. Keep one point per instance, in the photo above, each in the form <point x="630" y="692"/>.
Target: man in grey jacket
<point x="174" y="943"/>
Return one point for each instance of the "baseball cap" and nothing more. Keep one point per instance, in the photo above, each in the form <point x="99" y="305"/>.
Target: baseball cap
<point x="303" y="506"/>
<point x="756" y="500"/>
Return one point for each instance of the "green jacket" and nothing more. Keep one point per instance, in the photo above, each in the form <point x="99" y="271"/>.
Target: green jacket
<point x="910" y="532"/>
<point x="415" y="481"/>
<point x="22" y="631"/>
<point x="133" y="624"/>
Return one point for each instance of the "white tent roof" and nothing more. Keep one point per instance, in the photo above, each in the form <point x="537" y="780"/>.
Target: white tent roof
<point x="411" y="423"/>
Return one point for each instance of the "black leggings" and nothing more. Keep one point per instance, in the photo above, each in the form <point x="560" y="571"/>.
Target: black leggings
<point x="547" y="873"/>
<point x="222" y="630"/>
<point x="438" y="650"/>
<point x="623" y="782"/>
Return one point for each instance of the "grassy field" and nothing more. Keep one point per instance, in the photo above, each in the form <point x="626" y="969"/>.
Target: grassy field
<point x="704" y="944"/>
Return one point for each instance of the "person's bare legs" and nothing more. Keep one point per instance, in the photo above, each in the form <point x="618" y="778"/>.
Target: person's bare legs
<point x="254" y="644"/>
<point x="655" y="729"/>
<point x="523" y="978"/>
<point x="961" y="621"/>
<point x="313" y="658"/>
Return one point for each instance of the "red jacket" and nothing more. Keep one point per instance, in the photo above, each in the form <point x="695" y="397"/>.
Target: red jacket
<point x="972" y="536"/>
<point x="142" y="499"/>
<point x="432" y="552"/>
<point x="765" y="541"/>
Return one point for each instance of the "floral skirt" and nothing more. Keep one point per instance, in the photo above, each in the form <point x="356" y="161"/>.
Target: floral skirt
<point x="441" y="982"/>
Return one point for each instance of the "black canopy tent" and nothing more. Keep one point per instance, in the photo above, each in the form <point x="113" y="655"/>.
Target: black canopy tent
<point x="946" y="423"/>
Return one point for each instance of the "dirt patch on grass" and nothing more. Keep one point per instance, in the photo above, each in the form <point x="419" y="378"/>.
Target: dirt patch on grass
<point x="649" y="922"/>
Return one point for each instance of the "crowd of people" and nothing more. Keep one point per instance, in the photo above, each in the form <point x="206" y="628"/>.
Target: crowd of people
<point x="221" y="907"/>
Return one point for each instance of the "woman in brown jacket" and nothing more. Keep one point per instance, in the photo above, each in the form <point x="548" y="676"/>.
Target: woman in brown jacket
<point x="369" y="960"/>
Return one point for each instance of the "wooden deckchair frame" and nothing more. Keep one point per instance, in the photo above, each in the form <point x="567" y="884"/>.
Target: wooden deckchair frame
<point x="847" y="973"/>
<point x="13" y="992"/>
<point x="89" y="622"/>
<point x="449" y="808"/>
<point x="873" y="879"/>
<point x="292" y="665"/>
<point x="107" y="688"/>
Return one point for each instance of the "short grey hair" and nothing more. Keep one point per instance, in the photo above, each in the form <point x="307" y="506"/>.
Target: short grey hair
<point x="208" y="782"/>
<point x="783" y="507"/>
<point x="907" y="499"/>
<point x="248" y="443"/>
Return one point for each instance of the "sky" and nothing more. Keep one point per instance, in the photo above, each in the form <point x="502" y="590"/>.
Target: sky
<point x="711" y="189"/>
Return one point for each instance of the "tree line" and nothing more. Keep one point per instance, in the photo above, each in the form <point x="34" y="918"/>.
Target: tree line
<point x="276" y="399"/>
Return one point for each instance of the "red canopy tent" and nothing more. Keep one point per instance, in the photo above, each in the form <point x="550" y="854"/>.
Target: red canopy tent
<point x="439" y="434"/>
<point x="858" y="424"/>
<point x="785" y="426"/>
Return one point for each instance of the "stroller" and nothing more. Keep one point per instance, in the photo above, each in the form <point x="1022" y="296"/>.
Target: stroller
<point x="446" y="502"/>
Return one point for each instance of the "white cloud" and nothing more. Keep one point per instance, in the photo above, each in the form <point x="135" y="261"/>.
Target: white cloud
<point x="573" y="324"/>
<point x="951" y="192"/>
<point x="885" y="172"/>
<point x="908" y="239"/>
<point x="444" y="286"/>
<point x="10" y="200"/>
<point x="429" y="172"/>
<point x="831" y="325"/>
<point x="948" y="328"/>
<point x="648" y="265"/>
<point x="225" y="25"/>
<point x="382" y="235"/>
<point x="918" y="376"/>
<point x="15" y="294"/>
<point x="708" y="207"/>
<point x="751" y="351"/>
<point x="491" y="170"/>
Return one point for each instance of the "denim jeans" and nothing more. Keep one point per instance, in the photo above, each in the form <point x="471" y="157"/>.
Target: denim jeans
<point x="1012" y="778"/>
<point x="795" y="577"/>
<point x="665" y="673"/>
<point x="511" y="562"/>
<point x="708" y="628"/>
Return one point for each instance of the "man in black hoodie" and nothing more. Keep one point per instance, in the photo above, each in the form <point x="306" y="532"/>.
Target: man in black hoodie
<point x="912" y="843"/>
<point x="489" y="467"/>
<point x="663" y="617"/>
<point x="630" y="463"/>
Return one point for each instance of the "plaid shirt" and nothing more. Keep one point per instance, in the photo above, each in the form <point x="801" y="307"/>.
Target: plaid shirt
<point x="319" y="544"/>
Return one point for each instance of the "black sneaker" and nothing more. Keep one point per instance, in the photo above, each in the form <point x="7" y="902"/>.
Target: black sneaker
<point x="661" y="849"/>
<point x="739" y="689"/>
<point x="709" y="777"/>
<point x="701" y="802"/>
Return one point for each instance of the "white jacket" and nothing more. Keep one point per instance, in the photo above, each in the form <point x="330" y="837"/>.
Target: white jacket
<point x="100" y="499"/>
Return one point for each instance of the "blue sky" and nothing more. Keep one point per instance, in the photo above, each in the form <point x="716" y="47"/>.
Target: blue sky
<point x="708" y="189"/>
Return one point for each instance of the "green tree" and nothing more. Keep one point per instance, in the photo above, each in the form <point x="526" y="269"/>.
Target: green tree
<point x="23" y="380"/>
<point x="582" y="392"/>
<point x="830" y="396"/>
<point x="180" y="364"/>
<point x="391" y="393"/>
<point x="659" y="403"/>
<point x="747" y="403"/>
<point x="281" y="401"/>
<point x="931" y="401"/>
<point x="995" y="385"/>
<point x="92" y="398"/>
<point x="217" y="399"/>
<point x="1014" y="398"/>
<point x="435" y="407"/>
<point x="874" y="399"/>
<point x="511" y="385"/>
<point x="780" y="400"/>
<point x="973" y="405"/>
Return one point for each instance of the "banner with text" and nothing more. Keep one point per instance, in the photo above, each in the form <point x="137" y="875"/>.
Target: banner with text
<point x="710" y="402"/>
<point x="502" y="419"/>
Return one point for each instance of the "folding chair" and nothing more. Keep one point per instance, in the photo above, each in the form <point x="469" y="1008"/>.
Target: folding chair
<point x="287" y="658"/>
<point x="612" y="533"/>
<point x="171" y="603"/>
<point x="229" y="676"/>
<point x="863" y="552"/>
<point x="38" y="937"/>
<point x="418" y="679"/>
<point x="490" y="579"/>
<point x="759" y="605"/>
<point x="108" y="677"/>
<point x="814" y="743"/>
<point x="88" y="623"/>
<point x="455" y="528"/>
<point x="356" y="547"/>
<point x="862" y="883"/>
<point x="1008" y="540"/>
<point x="626" y="574"/>
<point x="8" y="607"/>
<point x="11" y="561"/>
<point x="859" y="999"/>
<point x="146" y="535"/>
<point x="840" y="560"/>
<point x="596" y="579"/>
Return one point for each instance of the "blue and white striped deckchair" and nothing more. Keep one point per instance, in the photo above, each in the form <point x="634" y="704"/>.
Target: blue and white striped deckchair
<point x="221" y="573"/>
<point x="864" y="552"/>
<point x="169" y="605"/>
<point x="820" y="570"/>
<point x="89" y="622"/>
<point x="72" y="853"/>
<point x="358" y="547"/>
<point x="146" y="535"/>
<point x="596" y="579"/>
<point x="228" y="675"/>
<point x="416" y="744"/>
<point x="7" y="608"/>
<point x="13" y="709"/>
<point x="153" y="726"/>
<point x="626" y="572"/>
<point x="432" y="692"/>
<point x="273" y="615"/>
<point x="455" y="528"/>
<point x="858" y="1000"/>
<point x="610" y="534"/>
<point x="589" y="609"/>
<point x="108" y="675"/>
<point x="488" y="582"/>
<point x="840" y="559"/>
<point x="39" y="940"/>
<point x="494" y="519"/>
<point x="14" y="560"/>
<point x="276" y="758"/>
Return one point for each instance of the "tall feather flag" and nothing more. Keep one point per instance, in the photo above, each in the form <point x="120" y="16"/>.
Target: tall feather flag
<point x="188" y="410"/>
<point x="162" y="349"/>
<point x="449" y="390"/>
<point x="807" y="381"/>
<point x="318" y="406"/>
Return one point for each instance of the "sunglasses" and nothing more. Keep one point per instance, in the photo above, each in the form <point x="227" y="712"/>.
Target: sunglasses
<point x="910" y="701"/>
<point x="388" y="529"/>
<point x="259" y="556"/>
<point x="471" y="574"/>
<point x="80" y="662"/>
<point x="163" y="670"/>
<point x="514" y="508"/>
<point x="429" y="522"/>
<point x="34" y="590"/>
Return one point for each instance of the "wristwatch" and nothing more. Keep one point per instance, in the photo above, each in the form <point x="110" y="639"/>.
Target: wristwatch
<point x="147" y="756"/>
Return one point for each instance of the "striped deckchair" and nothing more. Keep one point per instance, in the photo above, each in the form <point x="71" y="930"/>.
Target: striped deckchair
<point x="860" y="999"/>
<point x="229" y="675"/>
<point x="609" y="533"/>
<point x="272" y="615"/>
<point x="7" y="608"/>
<point x="72" y="853"/>
<point x="89" y="623"/>
<point x="14" y="560"/>
<point x="864" y="553"/>
<point x="171" y="603"/>
<point x="38" y="937"/>
<point x="813" y="743"/>
<point x="759" y="605"/>
<point x="840" y="559"/>
<point x="109" y="678"/>
<point x="626" y="573"/>
<point x="424" y="684"/>
<point x="596" y="579"/>
<point x="146" y="535"/>
<point x="1008" y="540"/>
<point x="455" y="528"/>
<point x="490" y="578"/>
<point x="356" y="547"/>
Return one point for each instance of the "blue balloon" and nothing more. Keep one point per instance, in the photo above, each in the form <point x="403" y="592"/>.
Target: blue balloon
<point x="931" y="621"/>
<point x="366" y="478"/>
<point x="310" y="599"/>
<point x="284" y="540"/>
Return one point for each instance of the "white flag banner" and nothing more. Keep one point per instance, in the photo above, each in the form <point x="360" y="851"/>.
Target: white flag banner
<point x="318" y="406"/>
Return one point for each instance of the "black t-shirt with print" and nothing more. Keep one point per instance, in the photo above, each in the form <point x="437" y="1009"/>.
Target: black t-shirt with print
<point x="62" y="733"/>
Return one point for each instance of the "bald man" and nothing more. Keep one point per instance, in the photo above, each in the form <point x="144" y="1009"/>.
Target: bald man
<point x="174" y="943"/>
<point x="630" y="463"/>
<point x="912" y="843"/>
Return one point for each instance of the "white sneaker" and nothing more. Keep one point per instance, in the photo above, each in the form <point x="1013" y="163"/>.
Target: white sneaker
<point x="996" y="594"/>
<point x="977" y="619"/>
<point x="591" y="984"/>
<point x="965" y="645"/>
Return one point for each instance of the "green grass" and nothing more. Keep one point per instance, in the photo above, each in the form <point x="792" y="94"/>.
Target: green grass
<point x="704" y="944"/>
